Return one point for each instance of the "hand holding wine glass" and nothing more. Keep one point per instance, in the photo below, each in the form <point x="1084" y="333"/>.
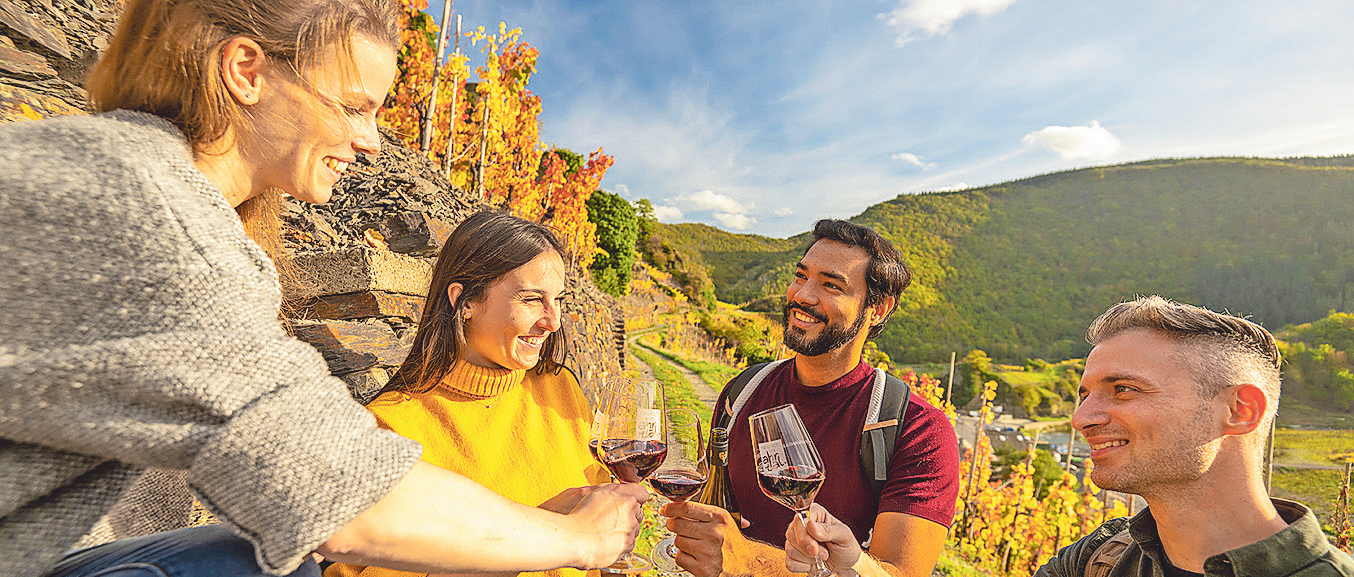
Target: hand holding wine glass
<point x="633" y="443"/>
<point x="681" y="476"/>
<point x="803" y="542"/>
<point x="789" y="470"/>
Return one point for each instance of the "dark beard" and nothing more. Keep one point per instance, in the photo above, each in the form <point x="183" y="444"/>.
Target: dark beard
<point x="831" y="338"/>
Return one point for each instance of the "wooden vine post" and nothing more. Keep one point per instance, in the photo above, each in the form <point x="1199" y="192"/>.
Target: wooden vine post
<point x="1071" y="437"/>
<point x="429" y="112"/>
<point x="949" y="389"/>
<point x="455" y="100"/>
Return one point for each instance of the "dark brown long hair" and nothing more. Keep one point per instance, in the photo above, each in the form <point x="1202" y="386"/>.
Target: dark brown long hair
<point x="483" y="249"/>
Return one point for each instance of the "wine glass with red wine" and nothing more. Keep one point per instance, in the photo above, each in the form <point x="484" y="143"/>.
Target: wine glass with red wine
<point x="789" y="470"/>
<point x="681" y="477"/>
<point x="633" y="443"/>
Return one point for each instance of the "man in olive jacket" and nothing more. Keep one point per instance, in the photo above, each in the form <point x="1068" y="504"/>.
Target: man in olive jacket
<point x="1177" y="403"/>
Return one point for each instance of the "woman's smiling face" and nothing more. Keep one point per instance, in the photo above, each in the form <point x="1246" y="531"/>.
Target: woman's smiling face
<point x="302" y="137"/>
<point x="508" y="327"/>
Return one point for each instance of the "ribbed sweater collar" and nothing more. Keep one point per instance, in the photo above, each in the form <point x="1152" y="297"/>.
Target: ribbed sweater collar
<point x="480" y="382"/>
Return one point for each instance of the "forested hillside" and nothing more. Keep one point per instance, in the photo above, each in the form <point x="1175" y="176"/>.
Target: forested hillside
<point x="1319" y="362"/>
<point x="1018" y="269"/>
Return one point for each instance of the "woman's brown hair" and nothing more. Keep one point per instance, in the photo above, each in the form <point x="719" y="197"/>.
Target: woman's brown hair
<point x="165" y="59"/>
<point x="483" y="249"/>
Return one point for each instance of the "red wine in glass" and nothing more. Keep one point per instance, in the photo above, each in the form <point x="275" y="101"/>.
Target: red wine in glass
<point x="792" y="486"/>
<point x="632" y="461"/>
<point x="677" y="485"/>
<point x="593" y="448"/>
<point x="633" y="443"/>
<point x="681" y="477"/>
<point x="789" y="470"/>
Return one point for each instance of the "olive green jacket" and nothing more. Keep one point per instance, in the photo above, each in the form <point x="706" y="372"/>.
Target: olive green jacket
<point x="1301" y="550"/>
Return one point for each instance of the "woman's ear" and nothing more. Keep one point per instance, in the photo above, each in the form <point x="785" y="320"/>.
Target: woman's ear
<point x="454" y="291"/>
<point x="243" y="63"/>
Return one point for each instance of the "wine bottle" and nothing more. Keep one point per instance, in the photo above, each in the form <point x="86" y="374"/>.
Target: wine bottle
<point x="717" y="490"/>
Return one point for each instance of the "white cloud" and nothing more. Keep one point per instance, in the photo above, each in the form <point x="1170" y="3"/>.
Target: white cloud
<point x="1090" y="142"/>
<point x="954" y="187"/>
<point x="914" y="160"/>
<point x="623" y="190"/>
<point x="783" y="211"/>
<point x="711" y="200"/>
<point x="735" y="221"/>
<point x="667" y="213"/>
<point x="935" y="17"/>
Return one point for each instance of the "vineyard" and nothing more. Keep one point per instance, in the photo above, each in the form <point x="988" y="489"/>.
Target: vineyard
<point x="1002" y="526"/>
<point x="482" y="128"/>
<point x="1011" y="516"/>
<point x="484" y="131"/>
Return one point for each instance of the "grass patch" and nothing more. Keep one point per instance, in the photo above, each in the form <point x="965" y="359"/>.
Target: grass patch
<point x="679" y="393"/>
<point x="1293" y="414"/>
<point x="1028" y="379"/>
<point x="956" y="567"/>
<point x="714" y="374"/>
<point x="1306" y="447"/>
<point x="677" y="389"/>
<point x="1318" y="489"/>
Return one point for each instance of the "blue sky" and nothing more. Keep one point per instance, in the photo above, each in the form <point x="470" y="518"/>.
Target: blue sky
<point x="762" y="117"/>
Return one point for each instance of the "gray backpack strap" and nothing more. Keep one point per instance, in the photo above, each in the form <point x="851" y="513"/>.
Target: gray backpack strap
<point x="889" y="398"/>
<point x="1107" y="554"/>
<point x="739" y="397"/>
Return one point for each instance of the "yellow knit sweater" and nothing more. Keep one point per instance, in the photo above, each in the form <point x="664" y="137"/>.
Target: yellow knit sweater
<point x="522" y="435"/>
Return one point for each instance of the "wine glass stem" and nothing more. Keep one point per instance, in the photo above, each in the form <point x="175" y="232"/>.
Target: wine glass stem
<point x="818" y="569"/>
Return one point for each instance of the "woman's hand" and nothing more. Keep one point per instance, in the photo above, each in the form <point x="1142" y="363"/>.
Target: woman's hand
<point x="610" y="513"/>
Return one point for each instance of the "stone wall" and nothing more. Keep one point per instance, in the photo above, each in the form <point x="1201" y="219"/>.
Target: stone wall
<point x="46" y="47"/>
<point x="363" y="260"/>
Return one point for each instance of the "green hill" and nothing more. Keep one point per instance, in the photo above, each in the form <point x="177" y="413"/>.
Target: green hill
<point x="1019" y="269"/>
<point x="1319" y="362"/>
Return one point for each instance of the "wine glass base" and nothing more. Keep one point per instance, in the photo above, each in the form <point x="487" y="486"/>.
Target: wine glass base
<point x="631" y="564"/>
<point x="664" y="561"/>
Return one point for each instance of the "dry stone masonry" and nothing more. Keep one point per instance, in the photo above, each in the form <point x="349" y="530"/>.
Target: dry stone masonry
<point x="46" y="47"/>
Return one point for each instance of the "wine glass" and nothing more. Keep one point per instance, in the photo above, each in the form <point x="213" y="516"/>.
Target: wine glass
<point x="681" y="477"/>
<point x="633" y="443"/>
<point x="789" y="470"/>
<point x="599" y="414"/>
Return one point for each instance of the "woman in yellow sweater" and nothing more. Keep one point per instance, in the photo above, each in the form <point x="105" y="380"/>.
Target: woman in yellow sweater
<point x="484" y="388"/>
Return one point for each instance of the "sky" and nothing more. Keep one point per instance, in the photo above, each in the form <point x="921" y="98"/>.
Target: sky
<point x="762" y="117"/>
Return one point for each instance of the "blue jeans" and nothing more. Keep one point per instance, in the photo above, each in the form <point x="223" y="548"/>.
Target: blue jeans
<point x="209" y="551"/>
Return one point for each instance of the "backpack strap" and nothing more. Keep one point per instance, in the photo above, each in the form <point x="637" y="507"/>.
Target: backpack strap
<point x="888" y="398"/>
<point x="740" y="389"/>
<point x="1107" y="554"/>
<point x="883" y="425"/>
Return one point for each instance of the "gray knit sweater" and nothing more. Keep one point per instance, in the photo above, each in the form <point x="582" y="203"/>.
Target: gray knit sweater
<point x="138" y="329"/>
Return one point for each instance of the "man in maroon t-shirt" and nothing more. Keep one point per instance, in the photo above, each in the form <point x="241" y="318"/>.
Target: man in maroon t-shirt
<point x="845" y="288"/>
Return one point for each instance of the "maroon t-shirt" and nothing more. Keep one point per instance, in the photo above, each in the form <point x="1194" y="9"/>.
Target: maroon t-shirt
<point x="923" y="473"/>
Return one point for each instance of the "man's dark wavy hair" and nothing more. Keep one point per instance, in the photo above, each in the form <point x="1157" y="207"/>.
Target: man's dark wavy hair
<point x="886" y="274"/>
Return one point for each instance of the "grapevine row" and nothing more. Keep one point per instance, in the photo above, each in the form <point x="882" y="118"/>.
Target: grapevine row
<point x="1001" y="525"/>
<point x="486" y="133"/>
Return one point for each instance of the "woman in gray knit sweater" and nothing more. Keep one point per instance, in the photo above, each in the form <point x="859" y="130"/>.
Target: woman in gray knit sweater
<point x="140" y="324"/>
